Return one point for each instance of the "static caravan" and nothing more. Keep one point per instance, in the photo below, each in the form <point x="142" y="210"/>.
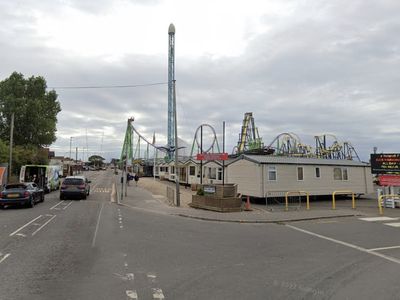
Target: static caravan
<point x="163" y="171"/>
<point x="267" y="175"/>
<point x="212" y="172"/>
<point x="192" y="171"/>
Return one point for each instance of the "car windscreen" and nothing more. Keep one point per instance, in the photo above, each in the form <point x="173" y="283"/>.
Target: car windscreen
<point x="73" y="181"/>
<point x="15" y="186"/>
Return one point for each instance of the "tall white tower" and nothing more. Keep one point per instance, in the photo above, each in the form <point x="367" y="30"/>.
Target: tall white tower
<point x="171" y="79"/>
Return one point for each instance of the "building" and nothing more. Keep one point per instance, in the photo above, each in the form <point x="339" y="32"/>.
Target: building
<point x="272" y="176"/>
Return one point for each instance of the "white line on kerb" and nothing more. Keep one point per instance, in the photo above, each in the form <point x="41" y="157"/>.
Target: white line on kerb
<point x="27" y="224"/>
<point x="36" y="231"/>
<point x="4" y="257"/>
<point x="392" y="259"/>
<point x="97" y="225"/>
<point x="53" y="207"/>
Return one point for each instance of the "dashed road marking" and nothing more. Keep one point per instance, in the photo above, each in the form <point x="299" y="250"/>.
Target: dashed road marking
<point x="3" y="257"/>
<point x="48" y="221"/>
<point x="27" y="224"/>
<point x="375" y="219"/>
<point x="393" y="224"/>
<point x="158" y="294"/>
<point x="131" y="294"/>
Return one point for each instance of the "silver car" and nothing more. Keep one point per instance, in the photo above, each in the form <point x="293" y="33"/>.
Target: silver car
<point x="75" y="187"/>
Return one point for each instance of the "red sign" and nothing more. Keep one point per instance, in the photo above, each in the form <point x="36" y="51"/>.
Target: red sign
<point x="212" y="156"/>
<point x="389" y="180"/>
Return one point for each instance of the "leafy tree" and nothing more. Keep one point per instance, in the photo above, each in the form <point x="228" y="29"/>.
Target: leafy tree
<point x="35" y="110"/>
<point x="96" y="160"/>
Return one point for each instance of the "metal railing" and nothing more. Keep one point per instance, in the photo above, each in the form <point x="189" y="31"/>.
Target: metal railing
<point x="297" y="193"/>
<point x="353" y="198"/>
<point x="393" y="196"/>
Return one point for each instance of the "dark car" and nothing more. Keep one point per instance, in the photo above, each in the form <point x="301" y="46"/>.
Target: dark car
<point x="26" y="194"/>
<point x="75" y="187"/>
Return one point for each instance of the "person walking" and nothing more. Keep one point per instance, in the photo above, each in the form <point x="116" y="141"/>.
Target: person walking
<point x="136" y="178"/>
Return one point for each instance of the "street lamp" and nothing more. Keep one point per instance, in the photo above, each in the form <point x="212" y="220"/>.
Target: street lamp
<point x="11" y="144"/>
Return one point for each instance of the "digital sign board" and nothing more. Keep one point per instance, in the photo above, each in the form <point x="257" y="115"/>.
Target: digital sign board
<point x="385" y="163"/>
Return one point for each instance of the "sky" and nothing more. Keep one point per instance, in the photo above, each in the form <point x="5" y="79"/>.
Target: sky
<point x="307" y="67"/>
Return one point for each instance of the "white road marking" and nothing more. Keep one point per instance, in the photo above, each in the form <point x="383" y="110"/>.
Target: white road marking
<point x="152" y="276"/>
<point x="361" y="249"/>
<point x="125" y="264"/>
<point x="54" y="207"/>
<point x="36" y="231"/>
<point x="384" y="248"/>
<point x="121" y="226"/>
<point x="127" y="277"/>
<point x="97" y="225"/>
<point x="4" y="257"/>
<point x="374" y="219"/>
<point x="21" y="234"/>
<point x="131" y="294"/>
<point x="27" y="224"/>
<point x="158" y="294"/>
<point x="393" y="224"/>
<point x="65" y="207"/>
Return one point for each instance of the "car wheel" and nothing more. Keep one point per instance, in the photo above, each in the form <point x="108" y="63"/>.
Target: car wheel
<point x="42" y="198"/>
<point x="84" y="197"/>
<point x="31" y="202"/>
<point x="62" y="197"/>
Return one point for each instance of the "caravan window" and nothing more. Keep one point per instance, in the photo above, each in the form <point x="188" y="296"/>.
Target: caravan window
<point x="271" y="173"/>
<point x="300" y="175"/>
<point x="212" y="173"/>
<point x="192" y="170"/>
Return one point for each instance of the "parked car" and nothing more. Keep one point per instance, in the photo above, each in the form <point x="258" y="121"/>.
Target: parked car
<point x="75" y="187"/>
<point x="25" y="193"/>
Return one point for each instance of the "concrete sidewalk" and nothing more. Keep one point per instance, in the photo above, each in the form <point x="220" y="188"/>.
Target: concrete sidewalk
<point x="150" y="195"/>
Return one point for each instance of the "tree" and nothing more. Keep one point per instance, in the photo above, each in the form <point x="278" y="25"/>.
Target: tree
<point x="96" y="160"/>
<point x="35" y="110"/>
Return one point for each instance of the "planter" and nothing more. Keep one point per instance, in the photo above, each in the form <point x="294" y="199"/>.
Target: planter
<point x="228" y="204"/>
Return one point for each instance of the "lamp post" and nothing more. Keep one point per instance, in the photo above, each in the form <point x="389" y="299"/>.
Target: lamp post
<point x="11" y="145"/>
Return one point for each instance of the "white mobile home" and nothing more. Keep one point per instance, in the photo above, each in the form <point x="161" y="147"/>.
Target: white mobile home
<point x="267" y="175"/>
<point x="212" y="172"/>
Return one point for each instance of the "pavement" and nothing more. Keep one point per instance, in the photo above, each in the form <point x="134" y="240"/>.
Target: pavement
<point x="150" y="195"/>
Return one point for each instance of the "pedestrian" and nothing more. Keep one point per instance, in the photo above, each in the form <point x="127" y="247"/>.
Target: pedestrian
<point x="136" y="179"/>
<point x="128" y="178"/>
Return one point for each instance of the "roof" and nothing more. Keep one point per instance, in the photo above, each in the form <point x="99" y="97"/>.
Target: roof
<point x="273" y="159"/>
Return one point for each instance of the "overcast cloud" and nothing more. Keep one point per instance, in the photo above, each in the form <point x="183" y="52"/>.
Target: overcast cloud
<point x="308" y="67"/>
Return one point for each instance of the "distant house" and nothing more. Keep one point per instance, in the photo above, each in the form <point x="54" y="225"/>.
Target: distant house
<point x="272" y="176"/>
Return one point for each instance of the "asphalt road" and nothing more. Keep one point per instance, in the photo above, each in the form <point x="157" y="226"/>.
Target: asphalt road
<point x="95" y="249"/>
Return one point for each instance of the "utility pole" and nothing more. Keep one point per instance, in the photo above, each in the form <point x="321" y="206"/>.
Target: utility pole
<point x="70" y="147"/>
<point x="178" y="199"/>
<point x="11" y="146"/>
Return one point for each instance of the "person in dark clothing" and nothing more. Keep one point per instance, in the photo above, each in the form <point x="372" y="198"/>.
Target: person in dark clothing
<point x="136" y="178"/>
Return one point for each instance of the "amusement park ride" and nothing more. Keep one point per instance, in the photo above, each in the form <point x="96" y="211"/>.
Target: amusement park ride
<point x="285" y="144"/>
<point x="205" y="140"/>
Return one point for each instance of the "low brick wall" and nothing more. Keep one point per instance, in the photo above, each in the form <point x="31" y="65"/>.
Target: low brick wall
<point x="228" y="204"/>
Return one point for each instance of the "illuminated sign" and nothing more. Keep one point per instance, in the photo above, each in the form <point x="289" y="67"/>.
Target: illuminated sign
<point x="385" y="163"/>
